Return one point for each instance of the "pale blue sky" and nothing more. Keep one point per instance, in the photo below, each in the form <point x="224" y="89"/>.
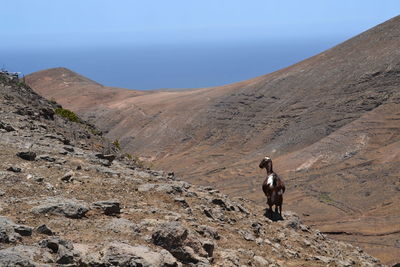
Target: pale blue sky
<point x="150" y="44"/>
<point x="53" y="23"/>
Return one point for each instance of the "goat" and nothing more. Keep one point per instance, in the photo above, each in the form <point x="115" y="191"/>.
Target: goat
<point x="273" y="186"/>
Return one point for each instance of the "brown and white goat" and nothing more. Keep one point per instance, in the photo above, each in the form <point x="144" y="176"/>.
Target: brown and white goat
<point x="273" y="186"/>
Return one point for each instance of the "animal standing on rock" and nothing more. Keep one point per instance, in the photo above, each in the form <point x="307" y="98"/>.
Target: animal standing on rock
<point x="272" y="186"/>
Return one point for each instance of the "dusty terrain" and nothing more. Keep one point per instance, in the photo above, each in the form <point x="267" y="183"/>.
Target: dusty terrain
<point x="330" y="123"/>
<point x="69" y="198"/>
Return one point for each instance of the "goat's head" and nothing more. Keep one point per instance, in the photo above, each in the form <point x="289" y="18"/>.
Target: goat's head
<point x="266" y="163"/>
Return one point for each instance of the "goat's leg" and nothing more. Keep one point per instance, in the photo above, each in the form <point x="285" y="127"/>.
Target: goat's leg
<point x="276" y="208"/>
<point x="280" y="210"/>
<point x="270" y="209"/>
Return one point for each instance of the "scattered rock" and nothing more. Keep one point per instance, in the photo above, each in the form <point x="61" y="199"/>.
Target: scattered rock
<point x="260" y="261"/>
<point x="208" y="231"/>
<point x="47" y="113"/>
<point x="63" y="248"/>
<point x="292" y="220"/>
<point x="11" y="257"/>
<point x="6" y="127"/>
<point x="182" y="201"/>
<point x="247" y="235"/>
<point x="174" y="237"/>
<point x="70" y="208"/>
<point x="14" y="169"/>
<point x="23" y="230"/>
<point x="208" y="247"/>
<point x="43" y="229"/>
<point x="223" y="204"/>
<point x="109" y="157"/>
<point x="47" y="158"/>
<point x="27" y="155"/>
<point x="68" y="177"/>
<point x="54" y="244"/>
<point x="122" y="225"/>
<point x="69" y="149"/>
<point x="121" y="254"/>
<point x="229" y="258"/>
<point x="7" y="233"/>
<point x="110" y="207"/>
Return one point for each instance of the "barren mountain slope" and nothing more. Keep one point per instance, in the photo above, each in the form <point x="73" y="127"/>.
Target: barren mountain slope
<point x="331" y="123"/>
<point x="64" y="204"/>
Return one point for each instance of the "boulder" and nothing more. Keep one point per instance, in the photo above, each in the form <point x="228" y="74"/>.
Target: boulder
<point x="70" y="208"/>
<point x="10" y="257"/>
<point x="121" y="254"/>
<point x="175" y="238"/>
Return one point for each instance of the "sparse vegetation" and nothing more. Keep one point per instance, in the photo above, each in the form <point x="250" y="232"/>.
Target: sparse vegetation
<point x="68" y="114"/>
<point x="117" y="144"/>
<point x="135" y="159"/>
<point x="94" y="131"/>
<point x="324" y="197"/>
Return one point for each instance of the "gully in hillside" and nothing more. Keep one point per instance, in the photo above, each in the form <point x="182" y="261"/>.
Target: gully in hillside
<point x="273" y="186"/>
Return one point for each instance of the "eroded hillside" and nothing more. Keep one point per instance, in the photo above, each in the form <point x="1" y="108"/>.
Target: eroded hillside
<point x="331" y="124"/>
<point x="65" y="202"/>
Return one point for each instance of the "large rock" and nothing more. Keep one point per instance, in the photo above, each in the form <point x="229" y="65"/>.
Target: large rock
<point x="70" y="208"/>
<point x="175" y="238"/>
<point x="11" y="232"/>
<point x="24" y="256"/>
<point x="292" y="220"/>
<point x="8" y="257"/>
<point x="121" y="254"/>
<point x="122" y="225"/>
<point x="63" y="248"/>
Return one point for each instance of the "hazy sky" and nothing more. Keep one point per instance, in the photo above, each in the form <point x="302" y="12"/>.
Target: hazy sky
<point x="150" y="44"/>
<point x="54" y="23"/>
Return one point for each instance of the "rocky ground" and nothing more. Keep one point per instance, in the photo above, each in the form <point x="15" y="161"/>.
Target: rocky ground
<point x="68" y="199"/>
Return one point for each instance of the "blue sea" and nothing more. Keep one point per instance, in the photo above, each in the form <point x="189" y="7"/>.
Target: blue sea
<point x="167" y="66"/>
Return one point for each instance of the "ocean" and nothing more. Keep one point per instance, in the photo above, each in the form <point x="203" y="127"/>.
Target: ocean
<point x="169" y="66"/>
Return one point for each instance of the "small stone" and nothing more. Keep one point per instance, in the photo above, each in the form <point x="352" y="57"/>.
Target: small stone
<point x="65" y="255"/>
<point x="109" y="157"/>
<point x="69" y="148"/>
<point x="208" y="247"/>
<point x="146" y="187"/>
<point x="28" y="155"/>
<point x="182" y="201"/>
<point x="43" y="229"/>
<point x="208" y="231"/>
<point x="23" y="230"/>
<point x="260" y="261"/>
<point x="68" y="176"/>
<point x="14" y="169"/>
<point x="110" y="207"/>
<point x="54" y="244"/>
<point x="47" y="158"/>
<point x="38" y="179"/>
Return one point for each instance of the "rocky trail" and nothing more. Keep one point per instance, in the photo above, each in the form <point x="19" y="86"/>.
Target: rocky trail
<point x="69" y="198"/>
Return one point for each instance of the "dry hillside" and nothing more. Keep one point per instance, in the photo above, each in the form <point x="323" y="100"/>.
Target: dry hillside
<point x="331" y="123"/>
<point x="69" y="198"/>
